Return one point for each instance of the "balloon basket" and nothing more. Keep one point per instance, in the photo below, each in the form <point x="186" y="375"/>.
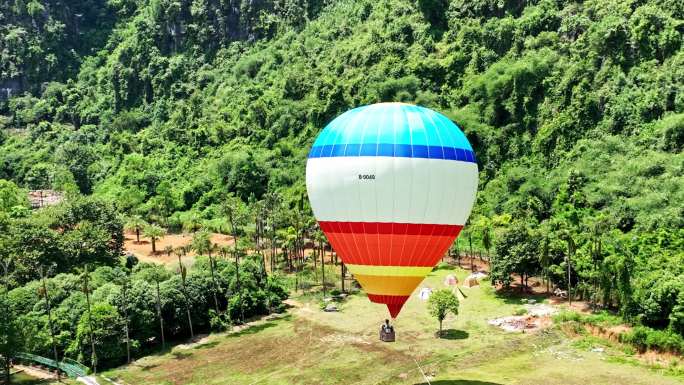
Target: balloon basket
<point x="388" y="336"/>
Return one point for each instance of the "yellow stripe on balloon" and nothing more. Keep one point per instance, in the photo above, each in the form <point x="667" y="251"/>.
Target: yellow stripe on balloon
<point x="390" y="271"/>
<point x="388" y="285"/>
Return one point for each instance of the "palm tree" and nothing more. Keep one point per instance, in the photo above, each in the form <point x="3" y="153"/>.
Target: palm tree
<point x="258" y="208"/>
<point x="273" y="206"/>
<point x="123" y="280"/>
<point x="168" y="250"/>
<point x="320" y="238"/>
<point x="487" y="243"/>
<point x="157" y="275"/>
<point x="572" y="248"/>
<point x="596" y="252"/>
<point x="192" y="223"/>
<point x="85" y="277"/>
<point x="9" y="346"/>
<point x="545" y="261"/>
<point x="153" y="232"/>
<point x="184" y="273"/>
<point x="235" y="211"/>
<point x="458" y="252"/>
<point x="224" y="251"/>
<point x="298" y="225"/>
<point x="470" y="242"/>
<point x="201" y="243"/>
<point x="135" y="223"/>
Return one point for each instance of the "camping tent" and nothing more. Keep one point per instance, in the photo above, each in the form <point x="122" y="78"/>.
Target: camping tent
<point x="470" y="282"/>
<point x="425" y="293"/>
<point x="450" y="280"/>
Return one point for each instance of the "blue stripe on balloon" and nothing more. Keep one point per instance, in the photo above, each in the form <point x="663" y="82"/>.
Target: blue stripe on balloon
<point x="393" y="150"/>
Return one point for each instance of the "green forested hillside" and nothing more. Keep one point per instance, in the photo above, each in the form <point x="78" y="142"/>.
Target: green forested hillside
<point x="540" y="87"/>
<point x="575" y="111"/>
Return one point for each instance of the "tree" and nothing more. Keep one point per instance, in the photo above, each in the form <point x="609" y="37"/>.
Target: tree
<point x="157" y="274"/>
<point x="85" y="279"/>
<point x="487" y="242"/>
<point x="137" y="224"/>
<point x="184" y="273"/>
<point x="154" y="232"/>
<point x="321" y="239"/>
<point x="440" y="304"/>
<point x="201" y="242"/>
<point x="168" y="249"/>
<point x="258" y="209"/>
<point x="78" y="156"/>
<point x="192" y="223"/>
<point x="8" y="338"/>
<point x="11" y="196"/>
<point x="273" y="207"/>
<point x="9" y="344"/>
<point x="164" y="202"/>
<point x="46" y="296"/>
<point x="572" y="248"/>
<point x="237" y="217"/>
<point x="472" y="255"/>
<point x="105" y="322"/>
<point x="180" y="252"/>
<point x="545" y="260"/>
<point x="517" y="251"/>
<point x="122" y="279"/>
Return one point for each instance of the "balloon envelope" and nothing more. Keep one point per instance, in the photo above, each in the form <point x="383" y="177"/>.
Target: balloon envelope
<point x="391" y="186"/>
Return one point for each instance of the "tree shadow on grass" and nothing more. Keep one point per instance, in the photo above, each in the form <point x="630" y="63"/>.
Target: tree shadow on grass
<point x="207" y="345"/>
<point x="444" y="266"/>
<point x="145" y="368"/>
<point x="514" y="296"/>
<point x="180" y="355"/>
<point x="459" y="382"/>
<point x="453" y="334"/>
<point x="253" y="329"/>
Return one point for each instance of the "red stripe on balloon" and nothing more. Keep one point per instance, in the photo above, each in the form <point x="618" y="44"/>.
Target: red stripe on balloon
<point x="389" y="228"/>
<point x="394" y="302"/>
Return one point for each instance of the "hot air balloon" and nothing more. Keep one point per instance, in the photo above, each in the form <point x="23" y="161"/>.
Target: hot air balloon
<point x="391" y="185"/>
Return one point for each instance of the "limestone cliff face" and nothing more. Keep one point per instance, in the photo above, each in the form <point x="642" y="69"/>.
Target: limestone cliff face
<point x="9" y="88"/>
<point x="42" y="41"/>
<point x="48" y="40"/>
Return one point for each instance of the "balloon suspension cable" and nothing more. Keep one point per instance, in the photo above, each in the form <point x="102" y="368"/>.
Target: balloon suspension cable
<point x="421" y="371"/>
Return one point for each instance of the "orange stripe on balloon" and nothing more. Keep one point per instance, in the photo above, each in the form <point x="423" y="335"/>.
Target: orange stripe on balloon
<point x="430" y="249"/>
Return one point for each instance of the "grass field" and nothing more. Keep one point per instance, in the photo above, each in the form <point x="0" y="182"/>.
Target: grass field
<point x="308" y="346"/>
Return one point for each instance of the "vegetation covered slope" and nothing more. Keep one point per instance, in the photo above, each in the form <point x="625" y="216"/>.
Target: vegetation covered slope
<point x="575" y="110"/>
<point x="539" y="89"/>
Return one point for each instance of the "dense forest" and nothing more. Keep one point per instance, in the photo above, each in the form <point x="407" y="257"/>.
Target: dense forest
<point x="167" y="109"/>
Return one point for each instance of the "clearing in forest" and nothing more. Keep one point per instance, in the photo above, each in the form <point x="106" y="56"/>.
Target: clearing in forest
<point x="143" y="249"/>
<point x="309" y="346"/>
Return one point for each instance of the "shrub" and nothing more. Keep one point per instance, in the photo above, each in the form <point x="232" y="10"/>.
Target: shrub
<point x="520" y="311"/>
<point x="567" y="316"/>
<point x="644" y="338"/>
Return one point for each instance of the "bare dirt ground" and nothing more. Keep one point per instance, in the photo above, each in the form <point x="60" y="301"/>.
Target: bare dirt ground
<point x="36" y="372"/>
<point x="143" y="249"/>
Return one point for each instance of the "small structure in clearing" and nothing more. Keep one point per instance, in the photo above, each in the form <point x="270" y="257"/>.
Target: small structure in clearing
<point x="42" y="198"/>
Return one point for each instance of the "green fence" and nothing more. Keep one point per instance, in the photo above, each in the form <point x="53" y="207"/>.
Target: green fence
<point x="70" y="367"/>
